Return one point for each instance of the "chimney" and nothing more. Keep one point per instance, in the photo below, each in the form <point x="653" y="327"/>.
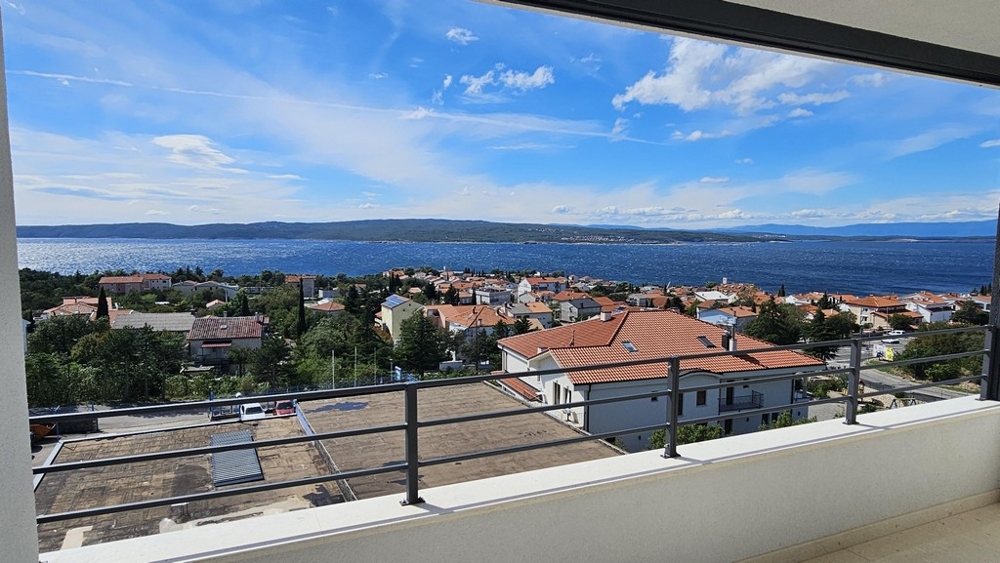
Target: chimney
<point x="732" y="338"/>
<point x="605" y="316"/>
<point x="725" y="340"/>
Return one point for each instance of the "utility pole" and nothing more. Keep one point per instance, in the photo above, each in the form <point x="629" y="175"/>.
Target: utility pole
<point x="333" y="369"/>
<point x="355" y="366"/>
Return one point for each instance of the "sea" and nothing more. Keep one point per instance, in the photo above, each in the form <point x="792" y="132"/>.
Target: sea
<point x="838" y="266"/>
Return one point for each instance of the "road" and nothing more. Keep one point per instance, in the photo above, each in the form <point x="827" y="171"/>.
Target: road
<point x="885" y="381"/>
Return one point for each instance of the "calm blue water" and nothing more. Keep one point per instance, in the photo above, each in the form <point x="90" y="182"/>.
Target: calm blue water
<point x="850" y="267"/>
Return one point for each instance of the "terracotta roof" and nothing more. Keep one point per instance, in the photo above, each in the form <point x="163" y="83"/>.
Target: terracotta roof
<point x="469" y="315"/>
<point x="521" y="388"/>
<point x="120" y="279"/>
<point x="327" y="307"/>
<point x="538" y="307"/>
<point x="225" y="328"/>
<point x="875" y="302"/>
<point x="155" y="277"/>
<point x="738" y="312"/>
<point x="654" y="334"/>
<point x="569" y="295"/>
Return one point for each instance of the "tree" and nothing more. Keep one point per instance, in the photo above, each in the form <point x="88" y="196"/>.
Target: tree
<point x="939" y="345"/>
<point x="687" y="434"/>
<point x="785" y="419"/>
<point x="522" y="325"/>
<point x="781" y="291"/>
<point x="300" y="325"/>
<point x="422" y="346"/>
<point x="818" y="331"/>
<point x="899" y="321"/>
<point x="270" y="363"/>
<point x="969" y="313"/>
<point x="775" y="323"/>
<point x="430" y="292"/>
<point x="451" y="296"/>
<point x="102" y="305"/>
<point x="59" y="335"/>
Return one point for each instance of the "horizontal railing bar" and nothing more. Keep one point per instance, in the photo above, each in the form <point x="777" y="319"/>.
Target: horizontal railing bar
<point x="204" y="406"/>
<point x="540" y="445"/>
<point x="929" y="359"/>
<point x="544" y="408"/>
<point x="73" y="465"/>
<point x="933" y="384"/>
<point x="140" y="505"/>
<point x="768" y="410"/>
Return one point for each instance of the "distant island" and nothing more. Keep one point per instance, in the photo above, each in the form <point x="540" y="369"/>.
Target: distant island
<point x="444" y="230"/>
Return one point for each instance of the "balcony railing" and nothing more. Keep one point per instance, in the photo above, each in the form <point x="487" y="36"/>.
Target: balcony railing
<point x="411" y="422"/>
<point x="754" y="400"/>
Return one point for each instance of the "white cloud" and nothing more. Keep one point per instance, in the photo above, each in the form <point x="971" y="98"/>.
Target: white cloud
<point x="989" y="144"/>
<point x="475" y="84"/>
<point x="799" y="112"/>
<point x="619" y="128"/>
<point x="523" y="81"/>
<point x="156" y="212"/>
<point x="873" y="80"/>
<point x="815" y="98"/>
<point x="460" y="35"/>
<point x="699" y="135"/>
<point x="368" y="206"/>
<point x="195" y="151"/>
<point x="808" y="213"/>
<point x="714" y="179"/>
<point x="928" y="140"/>
<point x="744" y="161"/>
<point x="561" y="209"/>
<point x="700" y="74"/>
<point x="419" y="113"/>
<point x="507" y="80"/>
<point x="378" y="75"/>
<point x="446" y="83"/>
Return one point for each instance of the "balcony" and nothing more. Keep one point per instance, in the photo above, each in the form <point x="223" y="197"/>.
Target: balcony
<point x="435" y="494"/>
<point x="754" y="400"/>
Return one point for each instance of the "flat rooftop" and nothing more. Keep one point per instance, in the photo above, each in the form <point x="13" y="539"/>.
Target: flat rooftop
<point x="133" y="482"/>
<point x="374" y="450"/>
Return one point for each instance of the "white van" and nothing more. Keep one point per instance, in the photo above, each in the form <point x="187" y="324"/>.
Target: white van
<point x="251" y="411"/>
<point x="897" y="332"/>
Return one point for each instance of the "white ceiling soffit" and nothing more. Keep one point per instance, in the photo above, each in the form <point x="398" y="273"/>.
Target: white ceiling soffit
<point x="956" y="39"/>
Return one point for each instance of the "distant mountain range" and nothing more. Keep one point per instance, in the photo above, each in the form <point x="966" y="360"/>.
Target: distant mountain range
<point x="880" y="230"/>
<point x="395" y="230"/>
<point x="443" y="230"/>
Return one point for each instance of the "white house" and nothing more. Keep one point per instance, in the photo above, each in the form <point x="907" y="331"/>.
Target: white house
<point x="738" y="317"/>
<point x="211" y="338"/>
<point x="652" y="334"/>
<point x="395" y="310"/>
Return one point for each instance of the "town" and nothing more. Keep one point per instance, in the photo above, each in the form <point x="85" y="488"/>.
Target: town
<point x="158" y="338"/>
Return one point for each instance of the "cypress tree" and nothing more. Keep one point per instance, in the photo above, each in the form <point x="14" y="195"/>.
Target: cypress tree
<point x="301" y="325"/>
<point x="102" y="305"/>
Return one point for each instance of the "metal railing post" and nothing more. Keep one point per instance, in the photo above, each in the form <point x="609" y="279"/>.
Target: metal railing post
<point x="674" y="371"/>
<point x="853" y="382"/>
<point x="989" y="385"/>
<point x="412" y="451"/>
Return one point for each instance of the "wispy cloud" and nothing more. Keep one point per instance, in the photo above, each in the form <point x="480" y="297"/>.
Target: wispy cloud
<point x="928" y="140"/>
<point x="460" y="35"/>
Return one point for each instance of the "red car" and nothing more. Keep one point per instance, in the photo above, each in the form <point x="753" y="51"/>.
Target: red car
<point x="283" y="408"/>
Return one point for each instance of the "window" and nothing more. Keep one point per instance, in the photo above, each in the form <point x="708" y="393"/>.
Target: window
<point x="629" y="346"/>
<point x="701" y="398"/>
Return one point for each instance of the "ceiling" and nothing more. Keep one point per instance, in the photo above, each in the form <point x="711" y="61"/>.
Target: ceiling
<point x="955" y="39"/>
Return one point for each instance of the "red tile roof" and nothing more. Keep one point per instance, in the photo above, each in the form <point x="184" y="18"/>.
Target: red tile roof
<point x="120" y="279"/>
<point x="654" y="334"/>
<point x="225" y="328"/>
<point x="521" y="388"/>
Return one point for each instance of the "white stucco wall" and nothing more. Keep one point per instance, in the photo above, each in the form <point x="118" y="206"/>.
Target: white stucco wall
<point x="753" y="494"/>
<point x="17" y="519"/>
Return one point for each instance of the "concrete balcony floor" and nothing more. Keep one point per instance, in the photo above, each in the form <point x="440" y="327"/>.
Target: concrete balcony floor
<point x="964" y="537"/>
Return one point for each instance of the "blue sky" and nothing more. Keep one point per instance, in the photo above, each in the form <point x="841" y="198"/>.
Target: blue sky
<point x="195" y="112"/>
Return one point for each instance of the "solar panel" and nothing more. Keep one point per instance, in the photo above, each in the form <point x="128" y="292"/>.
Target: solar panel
<point x="237" y="466"/>
<point x="394" y="300"/>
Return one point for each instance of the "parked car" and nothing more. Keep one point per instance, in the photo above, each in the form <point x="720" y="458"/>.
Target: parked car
<point x="251" y="411"/>
<point x="891" y="340"/>
<point x="897" y="332"/>
<point x="283" y="408"/>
